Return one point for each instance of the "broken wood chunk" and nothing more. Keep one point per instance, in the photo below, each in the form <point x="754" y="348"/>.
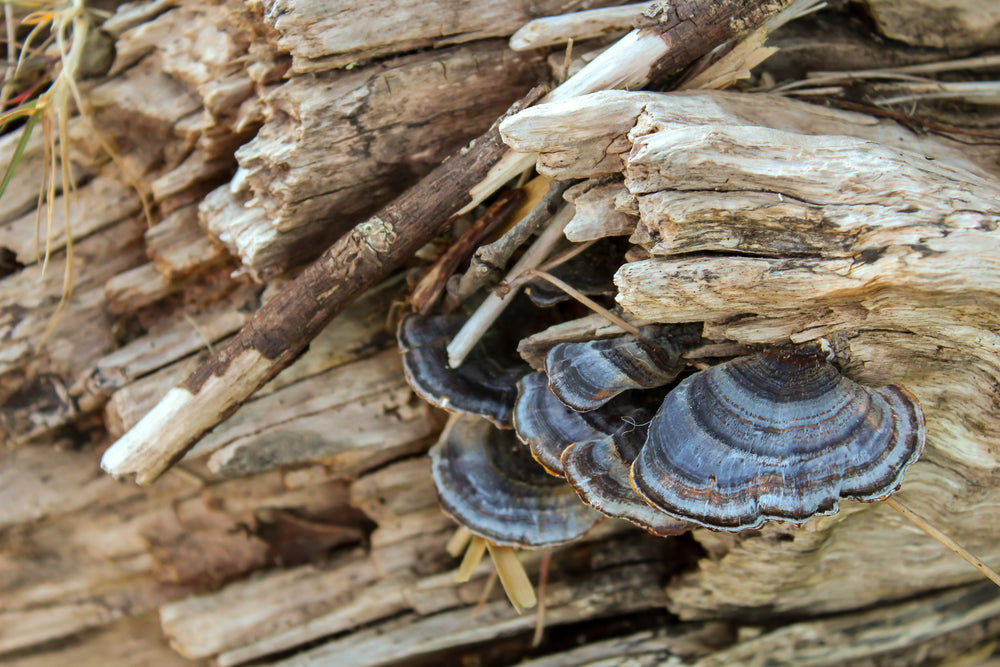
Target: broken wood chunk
<point x="595" y="211"/>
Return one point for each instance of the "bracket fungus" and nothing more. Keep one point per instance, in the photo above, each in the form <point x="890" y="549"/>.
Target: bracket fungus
<point x="488" y="482"/>
<point x="599" y="472"/>
<point x="548" y="426"/>
<point x="485" y="385"/>
<point x="778" y="435"/>
<point x="588" y="374"/>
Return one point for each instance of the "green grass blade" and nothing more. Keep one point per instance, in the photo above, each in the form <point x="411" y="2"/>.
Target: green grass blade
<point x="22" y="144"/>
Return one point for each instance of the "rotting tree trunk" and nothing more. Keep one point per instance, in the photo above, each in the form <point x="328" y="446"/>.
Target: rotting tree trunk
<point x="310" y="513"/>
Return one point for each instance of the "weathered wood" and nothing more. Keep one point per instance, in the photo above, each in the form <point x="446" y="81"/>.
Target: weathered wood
<point x="882" y="243"/>
<point x="596" y="212"/>
<point x="283" y="327"/>
<point x="578" y="26"/>
<point x="123" y="643"/>
<point x="937" y="23"/>
<point x="358" y="31"/>
<point x="390" y="124"/>
<point x="104" y="553"/>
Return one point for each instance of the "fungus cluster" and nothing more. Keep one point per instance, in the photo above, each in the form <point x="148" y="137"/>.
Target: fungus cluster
<point x="623" y="427"/>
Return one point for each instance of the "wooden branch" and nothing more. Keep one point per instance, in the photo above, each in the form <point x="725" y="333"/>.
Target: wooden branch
<point x="283" y="327"/>
<point x="490" y="309"/>
<point x="321" y="40"/>
<point x="578" y="26"/>
<point x="432" y="284"/>
<point x="489" y="260"/>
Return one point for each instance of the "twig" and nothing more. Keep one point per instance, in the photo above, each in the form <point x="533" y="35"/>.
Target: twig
<point x="928" y="528"/>
<point x="543" y="584"/>
<point x="429" y="289"/>
<point x="668" y="37"/>
<point x="490" y="259"/>
<point x="588" y="302"/>
<point x="490" y="309"/>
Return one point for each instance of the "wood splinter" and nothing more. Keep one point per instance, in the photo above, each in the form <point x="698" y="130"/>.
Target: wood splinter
<point x="667" y="39"/>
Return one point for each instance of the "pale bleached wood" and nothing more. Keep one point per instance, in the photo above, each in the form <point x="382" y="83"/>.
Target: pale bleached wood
<point x="350" y="432"/>
<point x="319" y="39"/>
<point x="953" y="24"/>
<point x="179" y="248"/>
<point x="309" y="194"/>
<point x="596" y="215"/>
<point x="577" y="26"/>
<point x="360" y="333"/>
<point x="96" y="205"/>
<point x="39" y="482"/>
<point x="127" y="642"/>
<point x="127" y="405"/>
<point x="616" y="590"/>
<point x="203" y="625"/>
<point x="591" y="136"/>
<point x="137" y="288"/>
<point x="397" y="489"/>
<point x="935" y="629"/>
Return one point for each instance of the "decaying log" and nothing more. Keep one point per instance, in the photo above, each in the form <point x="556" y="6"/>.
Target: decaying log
<point x="798" y="224"/>
<point x="305" y="530"/>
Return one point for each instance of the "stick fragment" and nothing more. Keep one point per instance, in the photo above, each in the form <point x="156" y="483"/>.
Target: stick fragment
<point x="929" y="528"/>
<point x="490" y="309"/>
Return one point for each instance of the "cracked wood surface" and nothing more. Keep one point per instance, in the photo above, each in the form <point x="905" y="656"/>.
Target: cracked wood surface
<point x="95" y="572"/>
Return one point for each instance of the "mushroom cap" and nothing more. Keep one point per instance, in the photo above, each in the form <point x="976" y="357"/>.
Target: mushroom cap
<point x="588" y="374"/>
<point x="547" y="426"/>
<point x="779" y="435"/>
<point x="487" y="481"/>
<point x="599" y="471"/>
<point x="485" y="384"/>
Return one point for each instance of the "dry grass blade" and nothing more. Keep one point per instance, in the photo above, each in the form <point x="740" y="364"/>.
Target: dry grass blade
<point x="473" y="555"/>
<point x="513" y="577"/>
<point x="458" y="542"/>
<point x="588" y="302"/>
